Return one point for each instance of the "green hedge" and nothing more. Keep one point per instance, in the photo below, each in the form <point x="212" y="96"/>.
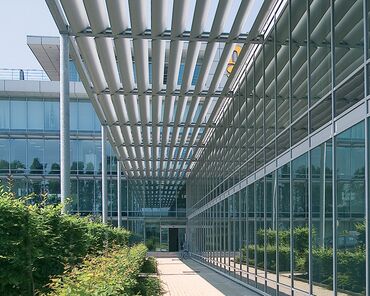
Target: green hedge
<point x="113" y="273"/>
<point x="37" y="241"/>
<point x="350" y="268"/>
<point x="350" y="263"/>
<point x="284" y="253"/>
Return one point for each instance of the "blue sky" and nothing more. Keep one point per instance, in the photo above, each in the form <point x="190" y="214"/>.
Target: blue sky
<point x="20" y="18"/>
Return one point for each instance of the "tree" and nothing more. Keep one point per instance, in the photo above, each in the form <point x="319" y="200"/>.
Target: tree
<point x="36" y="166"/>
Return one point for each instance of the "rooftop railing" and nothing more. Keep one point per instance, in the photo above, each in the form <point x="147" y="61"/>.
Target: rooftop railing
<point x="23" y="74"/>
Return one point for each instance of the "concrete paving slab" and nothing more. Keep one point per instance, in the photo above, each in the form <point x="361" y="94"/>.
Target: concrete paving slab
<point x="190" y="278"/>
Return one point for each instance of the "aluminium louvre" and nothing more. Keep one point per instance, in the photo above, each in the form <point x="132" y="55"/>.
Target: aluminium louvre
<point x="105" y="63"/>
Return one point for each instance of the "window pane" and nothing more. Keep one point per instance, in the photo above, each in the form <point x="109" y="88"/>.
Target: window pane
<point x="52" y="115"/>
<point x="4" y="113"/>
<point x="350" y="178"/>
<point x="52" y="156"/>
<point x="283" y="222"/>
<point x="322" y="217"/>
<point x="300" y="130"/>
<point x="348" y="22"/>
<point x="320" y="55"/>
<point x="85" y="116"/>
<point x="86" y="196"/>
<point x="17" y="155"/>
<point x="35" y="117"/>
<point x="87" y="157"/>
<point x="4" y="156"/>
<point x="350" y="93"/>
<point x="321" y="114"/>
<point x="18" y="117"/>
<point x="35" y="156"/>
<point x="282" y="35"/>
<point x="299" y="59"/>
<point x="300" y="221"/>
<point x="73" y="116"/>
<point x="52" y="187"/>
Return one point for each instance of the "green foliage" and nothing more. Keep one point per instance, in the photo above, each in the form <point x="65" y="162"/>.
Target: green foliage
<point x="150" y="286"/>
<point x="150" y="265"/>
<point x="37" y="241"/>
<point x="284" y="253"/>
<point x="322" y="264"/>
<point x="113" y="273"/>
<point x="351" y="270"/>
<point x="300" y="238"/>
<point x="350" y="263"/>
<point x="361" y="229"/>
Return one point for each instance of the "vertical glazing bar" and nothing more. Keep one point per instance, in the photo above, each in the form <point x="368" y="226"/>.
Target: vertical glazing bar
<point x="255" y="232"/>
<point x="264" y="233"/>
<point x="366" y="92"/>
<point x="119" y="201"/>
<point x="290" y="144"/>
<point x="104" y="176"/>
<point x="276" y="153"/>
<point x="309" y="153"/>
<point x="65" y="183"/>
<point x="276" y="202"/>
<point x="332" y="43"/>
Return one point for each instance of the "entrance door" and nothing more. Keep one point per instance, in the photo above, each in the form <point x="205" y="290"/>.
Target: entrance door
<point x="173" y="240"/>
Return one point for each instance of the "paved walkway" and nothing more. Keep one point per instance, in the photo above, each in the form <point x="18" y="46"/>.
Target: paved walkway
<point x="190" y="278"/>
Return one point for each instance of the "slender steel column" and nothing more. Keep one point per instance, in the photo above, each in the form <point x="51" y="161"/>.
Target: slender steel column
<point x="119" y="201"/>
<point x="104" y="177"/>
<point x="64" y="121"/>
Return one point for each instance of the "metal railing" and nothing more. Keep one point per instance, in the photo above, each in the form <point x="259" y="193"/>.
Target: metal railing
<point x="23" y="74"/>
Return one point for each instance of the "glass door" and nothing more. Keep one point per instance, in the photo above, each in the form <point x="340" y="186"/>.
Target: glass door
<point x="164" y="239"/>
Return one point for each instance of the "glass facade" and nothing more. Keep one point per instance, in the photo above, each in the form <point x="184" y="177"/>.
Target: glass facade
<point x="30" y="160"/>
<point x="279" y="197"/>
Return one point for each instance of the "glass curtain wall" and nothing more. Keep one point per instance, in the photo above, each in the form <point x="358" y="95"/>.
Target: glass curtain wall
<point x="296" y="221"/>
<point x="273" y="249"/>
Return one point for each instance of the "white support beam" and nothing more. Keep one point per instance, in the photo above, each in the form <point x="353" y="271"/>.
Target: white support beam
<point x="104" y="176"/>
<point x="65" y="184"/>
<point x="119" y="195"/>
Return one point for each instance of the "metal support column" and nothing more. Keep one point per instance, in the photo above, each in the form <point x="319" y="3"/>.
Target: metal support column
<point x="64" y="121"/>
<point x="104" y="177"/>
<point x="119" y="201"/>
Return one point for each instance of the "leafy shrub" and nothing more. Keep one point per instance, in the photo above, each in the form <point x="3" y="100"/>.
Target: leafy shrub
<point x="322" y="266"/>
<point x="361" y="229"/>
<point x="37" y="241"/>
<point x="150" y="265"/>
<point x="350" y="268"/>
<point x="114" y="273"/>
<point x="149" y="286"/>
<point x="284" y="257"/>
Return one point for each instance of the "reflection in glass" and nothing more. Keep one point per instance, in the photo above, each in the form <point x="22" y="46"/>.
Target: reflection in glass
<point x="300" y="221"/>
<point x="4" y="156"/>
<point x="51" y="115"/>
<point x="18" y="155"/>
<point x="52" y="156"/>
<point x="322" y="217"/>
<point x="320" y="64"/>
<point x="4" y="114"/>
<point x="35" y="156"/>
<point x="350" y="187"/>
<point x="18" y="114"/>
<point x="283" y="224"/>
<point x="35" y="116"/>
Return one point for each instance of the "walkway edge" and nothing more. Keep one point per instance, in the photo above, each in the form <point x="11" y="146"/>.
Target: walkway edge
<point x="231" y="278"/>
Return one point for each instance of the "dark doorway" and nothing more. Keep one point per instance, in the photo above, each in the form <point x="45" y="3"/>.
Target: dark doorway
<point x="173" y="240"/>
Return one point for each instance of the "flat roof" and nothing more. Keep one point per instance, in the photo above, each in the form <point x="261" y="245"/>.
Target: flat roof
<point x="46" y="51"/>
